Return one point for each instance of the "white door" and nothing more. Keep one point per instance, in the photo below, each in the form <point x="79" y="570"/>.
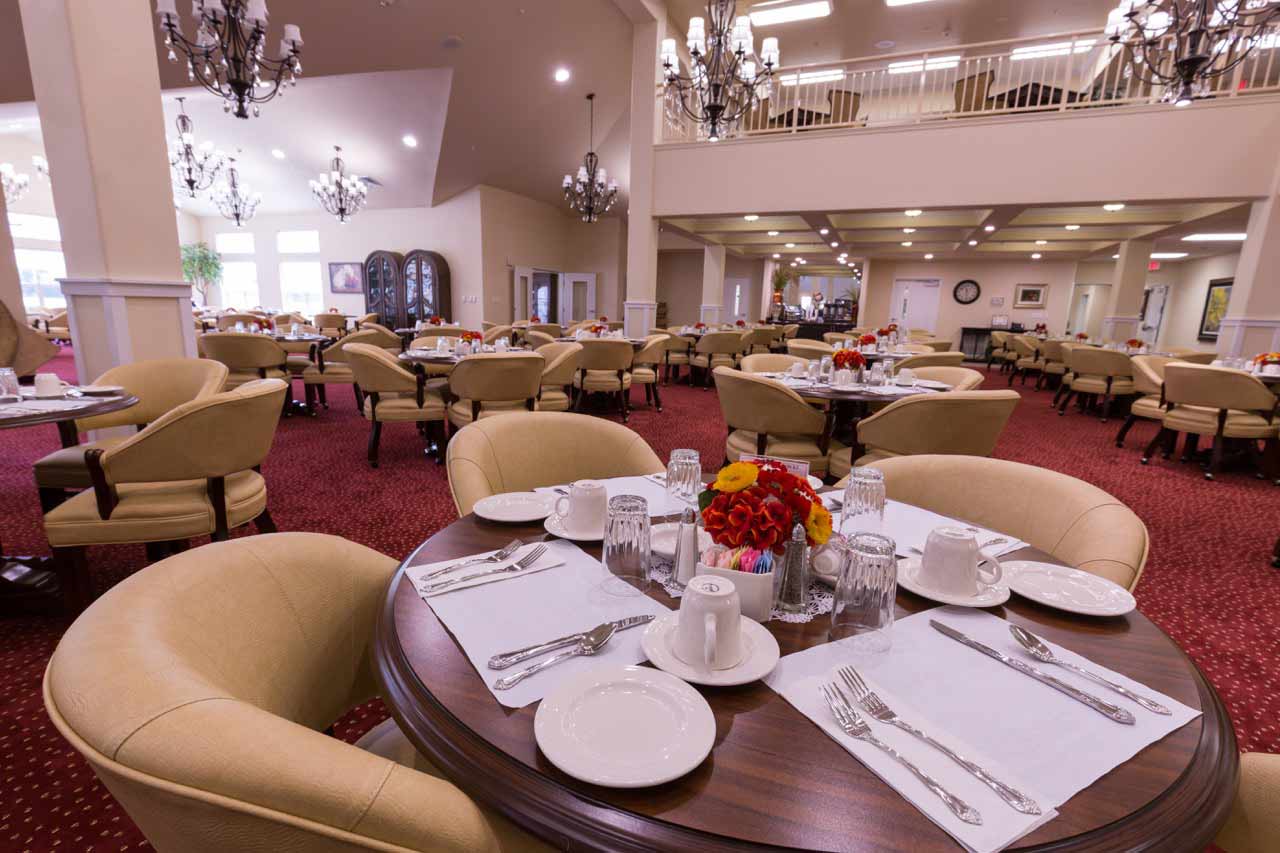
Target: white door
<point x="522" y="293"/>
<point x="1081" y="317"/>
<point x="1156" y="298"/>
<point x="577" y="297"/>
<point x="915" y="303"/>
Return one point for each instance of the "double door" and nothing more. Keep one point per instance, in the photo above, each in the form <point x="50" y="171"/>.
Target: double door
<point x="405" y="289"/>
<point x="554" y="297"/>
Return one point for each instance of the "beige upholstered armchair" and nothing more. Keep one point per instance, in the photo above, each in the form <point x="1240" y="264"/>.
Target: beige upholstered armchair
<point x="1098" y="372"/>
<point x="1001" y="351"/>
<point x="159" y="384"/>
<point x="495" y="455"/>
<point x="494" y="383"/>
<point x="715" y="349"/>
<point x="563" y="361"/>
<point x="810" y="350"/>
<point x="551" y="330"/>
<point x="228" y="321"/>
<point x="605" y="368"/>
<point x="331" y="368"/>
<point x="22" y="347"/>
<point x="645" y="366"/>
<point x="1194" y="356"/>
<point x="937" y="345"/>
<point x="247" y="357"/>
<point x="191" y="472"/>
<point x="679" y="353"/>
<point x="362" y="321"/>
<point x="1148" y="381"/>
<point x="767" y="418"/>
<point x="282" y="322"/>
<point x="769" y="362"/>
<point x="492" y="333"/>
<point x="1055" y="362"/>
<point x="1028" y="361"/>
<point x="57" y="327"/>
<point x="199" y="690"/>
<point x="391" y="393"/>
<point x="757" y="340"/>
<point x="930" y="359"/>
<point x="382" y="337"/>
<point x="534" y="339"/>
<point x="954" y="422"/>
<point x="834" y="338"/>
<point x="959" y="378"/>
<point x="1254" y="823"/>
<point x="331" y="323"/>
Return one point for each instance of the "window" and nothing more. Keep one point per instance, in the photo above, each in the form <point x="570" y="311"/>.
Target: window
<point x="302" y="286"/>
<point x="298" y="242"/>
<point x="239" y="284"/>
<point x="234" y="243"/>
<point x="30" y="226"/>
<point x="39" y="271"/>
<point x="737" y="300"/>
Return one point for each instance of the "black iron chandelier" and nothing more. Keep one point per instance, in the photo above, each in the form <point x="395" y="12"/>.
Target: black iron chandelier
<point x="340" y="194"/>
<point x="236" y="201"/>
<point x="13" y="183"/>
<point x="591" y="192"/>
<point x="1187" y="46"/>
<point x="195" y="167"/>
<point x="227" y="54"/>
<point x="726" y="78"/>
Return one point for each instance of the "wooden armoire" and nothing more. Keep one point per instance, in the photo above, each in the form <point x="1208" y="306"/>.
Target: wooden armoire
<point x="404" y="289"/>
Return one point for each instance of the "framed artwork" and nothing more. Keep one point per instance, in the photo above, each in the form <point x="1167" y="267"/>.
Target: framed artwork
<point x="1215" y="308"/>
<point x="1030" y="296"/>
<point x="345" y="278"/>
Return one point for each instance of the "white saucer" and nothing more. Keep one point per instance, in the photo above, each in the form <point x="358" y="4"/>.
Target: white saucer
<point x="989" y="597"/>
<point x="555" y="526"/>
<point x="515" y="507"/>
<point x="624" y="727"/>
<point x="761" y="654"/>
<point x="101" y="390"/>
<point x="814" y="482"/>
<point x="662" y="539"/>
<point x="1068" y="589"/>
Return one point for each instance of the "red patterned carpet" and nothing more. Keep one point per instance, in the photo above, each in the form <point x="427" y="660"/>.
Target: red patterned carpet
<point x="1208" y="583"/>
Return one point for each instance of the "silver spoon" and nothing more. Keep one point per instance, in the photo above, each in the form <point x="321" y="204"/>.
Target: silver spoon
<point x="1038" y="650"/>
<point x="593" y="642"/>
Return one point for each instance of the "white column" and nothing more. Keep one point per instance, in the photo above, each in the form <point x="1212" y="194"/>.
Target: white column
<point x="712" y="284"/>
<point x="1252" y="324"/>
<point x="860" y="316"/>
<point x="766" y="289"/>
<point x="10" y="283"/>
<point x="1127" y="284"/>
<point x="641" y="305"/>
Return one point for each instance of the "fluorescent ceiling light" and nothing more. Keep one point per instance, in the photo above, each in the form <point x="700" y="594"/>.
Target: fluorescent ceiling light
<point x="277" y="153"/>
<point x="773" y="233"/>
<point x="1113" y="207"/>
<point x="562" y="75"/>
<point x="776" y="255"/>
<point x="1115" y="257"/>
<point x="824" y="231"/>
<point x="903" y="2"/>
<point x="802" y="260"/>
<point x="973" y="242"/>
<point x="1043" y="51"/>
<point x="823" y="76"/>
<point x="1072" y="227"/>
<point x="908" y="230"/>
<point x="409" y="140"/>
<point x="793" y="263"/>
<point x="791" y="245"/>
<point x="989" y="228"/>
<point x="785" y="11"/>
<point x="937" y="63"/>
<point x="1213" y="238"/>
<point x="1167" y="256"/>
<point x="906" y="242"/>
<point x="1042" y="242"/>
<point x="834" y="244"/>
<point x="1035" y="256"/>
<point x="928" y="257"/>
<point x="915" y="211"/>
<point x="751" y="217"/>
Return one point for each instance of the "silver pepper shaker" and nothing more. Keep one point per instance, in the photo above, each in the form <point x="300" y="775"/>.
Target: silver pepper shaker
<point x="686" y="563"/>
<point x="793" y="586"/>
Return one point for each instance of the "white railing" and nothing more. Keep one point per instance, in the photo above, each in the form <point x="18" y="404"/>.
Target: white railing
<point x="1058" y="73"/>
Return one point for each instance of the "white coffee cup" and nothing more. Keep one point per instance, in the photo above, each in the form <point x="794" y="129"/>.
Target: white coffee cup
<point x="1271" y="369"/>
<point x="953" y="564"/>
<point x="709" y="627"/>
<point x="906" y="376"/>
<point x="798" y="369"/>
<point x="582" y="511"/>
<point x="48" y="385"/>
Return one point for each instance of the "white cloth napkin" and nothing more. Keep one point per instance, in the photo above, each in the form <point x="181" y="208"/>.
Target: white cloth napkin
<point x="1029" y="735"/>
<point x="534" y="608"/>
<point x="909" y="526"/>
<point x="549" y="560"/>
<point x="895" y="390"/>
<point x="32" y="406"/>
<point x="654" y="493"/>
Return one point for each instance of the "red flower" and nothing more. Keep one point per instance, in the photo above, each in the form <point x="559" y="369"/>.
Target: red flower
<point x="884" y="333"/>
<point x="867" y="339"/>
<point x="847" y="359"/>
<point x="604" y="319"/>
<point x="740" y="323"/>
<point x="535" y="319"/>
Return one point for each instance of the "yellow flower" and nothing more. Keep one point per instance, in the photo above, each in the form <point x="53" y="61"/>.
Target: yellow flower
<point x="736" y="477"/>
<point x="818" y="524"/>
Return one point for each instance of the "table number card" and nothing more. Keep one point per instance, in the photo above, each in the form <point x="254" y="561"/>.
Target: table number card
<point x="793" y="466"/>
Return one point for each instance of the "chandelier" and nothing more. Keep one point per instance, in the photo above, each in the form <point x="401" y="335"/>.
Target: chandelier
<point x="339" y="193"/>
<point x="235" y="201"/>
<point x="1187" y="45"/>
<point x="194" y="168"/>
<point x="726" y="78"/>
<point x="15" y="183"/>
<point x="227" y="54"/>
<point x="591" y="192"/>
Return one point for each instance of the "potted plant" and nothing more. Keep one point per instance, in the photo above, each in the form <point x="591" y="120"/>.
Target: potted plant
<point x="202" y="267"/>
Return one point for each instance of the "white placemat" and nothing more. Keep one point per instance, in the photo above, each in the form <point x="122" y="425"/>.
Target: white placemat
<point x="32" y="406"/>
<point x="654" y="493"/>
<point x="548" y="560"/>
<point x="988" y="712"/>
<point x="909" y="526"/>
<point x="521" y="611"/>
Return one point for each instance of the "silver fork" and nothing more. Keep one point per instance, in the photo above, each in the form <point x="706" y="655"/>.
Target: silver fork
<point x="523" y="563"/>
<point x="876" y="707"/>
<point x="507" y="550"/>
<point x="855" y="727"/>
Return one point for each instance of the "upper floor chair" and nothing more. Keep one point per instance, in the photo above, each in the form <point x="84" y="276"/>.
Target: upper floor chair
<point x="766" y="418"/>
<point x="563" y="360"/>
<point x="393" y="394"/>
<point x="495" y="383"/>
<point x="21" y="347"/>
<point x="605" y="368"/>
<point x="199" y="689"/>
<point x="331" y="323"/>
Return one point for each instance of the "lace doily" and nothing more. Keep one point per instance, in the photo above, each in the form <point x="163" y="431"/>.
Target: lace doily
<point x="820" y="598"/>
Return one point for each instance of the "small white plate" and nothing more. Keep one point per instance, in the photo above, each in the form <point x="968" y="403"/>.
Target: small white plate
<point x="814" y="482"/>
<point x="909" y="567"/>
<point x="662" y="539"/>
<point x="101" y="390"/>
<point x="555" y="526"/>
<point x="1068" y="589"/>
<point x="515" y="507"/>
<point x="932" y="383"/>
<point x="625" y="727"/>
<point x="761" y="654"/>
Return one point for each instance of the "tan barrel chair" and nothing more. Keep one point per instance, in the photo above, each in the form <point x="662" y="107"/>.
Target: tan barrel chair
<point x="1098" y="372"/>
<point x="393" y="394"/>
<point x="1223" y="403"/>
<point x="766" y="418"/>
<point x="1254" y="823"/>
<point x="282" y="322"/>
<point x="679" y="353"/>
<point x="535" y="339"/>
<point x="919" y="334"/>
<point x="488" y="384"/>
<point x="159" y="384"/>
<point x="57" y="327"/>
<point x="715" y="349"/>
<point x="495" y="455"/>
<point x="810" y="350"/>
<point x="247" y="357"/>
<point x="21" y="347"/>
<point x="332" y="368"/>
<point x="959" y="378"/>
<point x="563" y="360"/>
<point x="1028" y="361"/>
<point x="383" y="337"/>
<point x="361" y="322"/>
<point x="1069" y="519"/>
<point x="834" y="338"/>
<point x="228" y="321"/>
<point x="551" y="330"/>
<point x="1055" y="362"/>
<point x="211" y="745"/>
<point x="937" y="345"/>
<point x="605" y="368"/>
<point x="645" y="365"/>
<point x="1001" y="352"/>
<point x="930" y="359"/>
<point x="757" y="341"/>
<point x="331" y="323"/>
<point x="769" y="363"/>
<point x="916" y="349"/>
<point x="614" y="325"/>
<point x="486" y="325"/>
<point x="492" y="333"/>
<point x="1148" y="382"/>
<point x="191" y="472"/>
<point x="955" y="422"/>
<point x="1194" y="356"/>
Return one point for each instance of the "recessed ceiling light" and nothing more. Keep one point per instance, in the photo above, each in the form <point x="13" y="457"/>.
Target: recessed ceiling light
<point x="409" y="140"/>
<point x="928" y="257"/>
<point x="903" y="2"/>
<point x="561" y="75"/>
<point x="1042" y="242"/>
<point x="852" y="264"/>
<point x="1072" y="227"/>
<point x="791" y="245"/>
<point x="824" y="231"/>
<point x="773" y="233"/>
<point x="793" y="263"/>
<point x="1167" y="256"/>
<point x="1213" y="238"/>
<point x="277" y="153"/>
<point x="1115" y="257"/>
<point x="785" y="11"/>
<point x="1035" y="256"/>
<point x="776" y="255"/>
<point x="834" y="244"/>
<point x="886" y="44"/>
<point x="915" y="211"/>
<point x="973" y="242"/>
<point x="1113" y="207"/>
<point x="989" y="228"/>
<point x="751" y="217"/>
<point x="908" y="230"/>
<point x="906" y="242"/>
<point x="802" y="260"/>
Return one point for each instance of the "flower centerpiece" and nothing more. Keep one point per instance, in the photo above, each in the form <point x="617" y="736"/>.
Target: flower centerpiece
<point x="893" y="327"/>
<point x="1042" y="329"/>
<point x="740" y="323"/>
<point x="883" y="333"/>
<point x="756" y="504"/>
<point x="436" y="320"/>
<point x="1266" y="358"/>
<point x="1081" y="336"/>
<point x="471" y="337"/>
<point x="700" y="325"/>
<point x="603" y="320"/>
<point x="599" y="329"/>
<point x="1134" y="343"/>
<point x="535" y="319"/>
<point x="848" y="359"/>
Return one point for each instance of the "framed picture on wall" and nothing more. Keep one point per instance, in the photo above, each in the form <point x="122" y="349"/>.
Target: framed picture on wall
<point x="1215" y="308"/>
<point x="1031" y="296"/>
<point x="345" y="278"/>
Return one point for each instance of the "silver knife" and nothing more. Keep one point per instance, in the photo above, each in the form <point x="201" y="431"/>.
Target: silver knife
<point x="507" y="659"/>
<point x="1106" y="709"/>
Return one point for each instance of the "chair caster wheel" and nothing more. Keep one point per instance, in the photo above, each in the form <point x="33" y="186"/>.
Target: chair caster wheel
<point x="1145" y="460"/>
<point x="1208" y="476"/>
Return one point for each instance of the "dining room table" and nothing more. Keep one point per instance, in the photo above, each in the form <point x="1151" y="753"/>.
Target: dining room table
<point x="775" y="780"/>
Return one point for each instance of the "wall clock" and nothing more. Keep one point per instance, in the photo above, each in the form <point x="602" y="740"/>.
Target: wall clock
<point x="967" y="292"/>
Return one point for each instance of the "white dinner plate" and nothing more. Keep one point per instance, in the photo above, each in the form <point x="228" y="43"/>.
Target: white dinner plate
<point x="101" y="390"/>
<point x="1065" y="588"/>
<point x="760" y="656"/>
<point x="555" y="526"/>
<point x="625" y="727"/>
<point x="662" y="539"/>
<point x="932" y="383"/>
<point x="515" y="507"/>
<point x="990" y="596"/>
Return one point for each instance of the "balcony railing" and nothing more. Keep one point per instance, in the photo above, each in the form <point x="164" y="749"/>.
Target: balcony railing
<point x="1060" y="73"/>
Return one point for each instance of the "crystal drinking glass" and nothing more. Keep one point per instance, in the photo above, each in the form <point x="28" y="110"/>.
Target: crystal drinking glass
<point x="863" y="507"/>
<point x="862" y="610"/>
<point x="626" y="545"/>
<point x="824" y="367"/>
<point x="8" y="382"/>
<point x="815" y="368"/>
<point x="684" y="475"/>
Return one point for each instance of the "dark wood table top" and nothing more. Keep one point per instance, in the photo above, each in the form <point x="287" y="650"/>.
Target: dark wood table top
<point x="301" y="339"/>
<point x="774" y="780"/>
<point x="420" y="356"/>
<point x="97" y="406"/>
<point x="1272" y="379"/>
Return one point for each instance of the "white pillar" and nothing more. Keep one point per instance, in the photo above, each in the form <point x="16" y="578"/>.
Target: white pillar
<point x="1127" y="284"/>
<point x="641" y="306"/>
<point x="10" y="283"/>
<point x="766" y="289"/>
<point x="1252" y="324"/>
<point x="712" y="284"/>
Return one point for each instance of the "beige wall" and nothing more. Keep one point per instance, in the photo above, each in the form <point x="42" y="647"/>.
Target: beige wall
<point x="1186" y="299"/>
<point x="752" y="271"/>
<point x="600" y="247"/>
<point x="517" y="231"/>
<point x="680" y="285"/>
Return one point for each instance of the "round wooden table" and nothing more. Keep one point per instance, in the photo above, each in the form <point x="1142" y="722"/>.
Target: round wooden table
<point x="773" y="779"/>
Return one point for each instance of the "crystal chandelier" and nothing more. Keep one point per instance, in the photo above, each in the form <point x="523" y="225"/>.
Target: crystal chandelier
<point x="339" y="193"/>
<point x="15" y="183"/>
<point x="1187" y="45"/>
<point x="726" y="78"/>
<point x="227" y="54"/>
<point x="235" y="201"/>
<point x="194" y="168"/>
<point x="591" y="192"/>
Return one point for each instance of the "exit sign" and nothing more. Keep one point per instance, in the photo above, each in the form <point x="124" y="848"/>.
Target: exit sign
<point x="1153" y="266"/>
